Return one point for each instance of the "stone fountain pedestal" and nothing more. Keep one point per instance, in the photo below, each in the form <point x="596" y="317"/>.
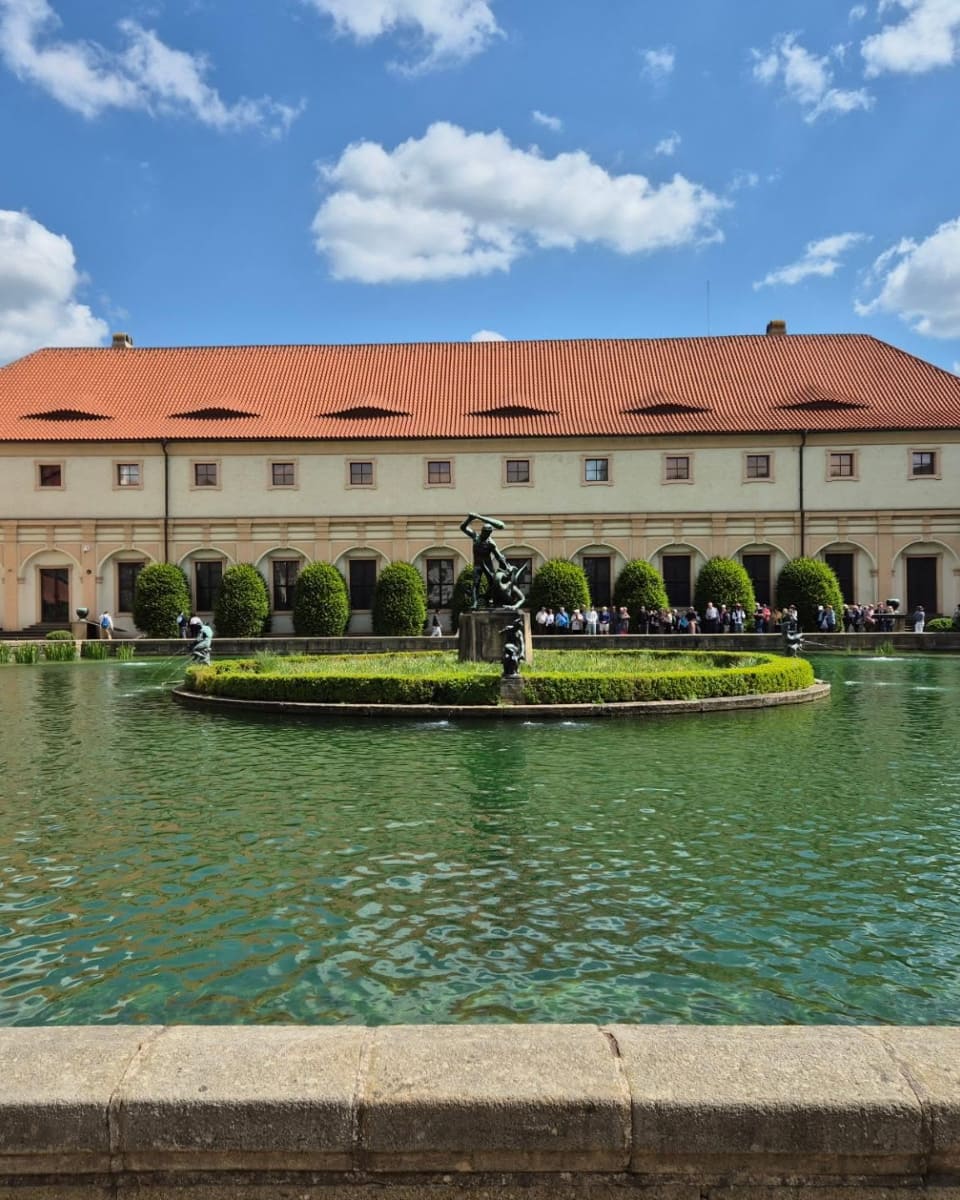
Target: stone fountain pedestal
<point x="481" y="634"/>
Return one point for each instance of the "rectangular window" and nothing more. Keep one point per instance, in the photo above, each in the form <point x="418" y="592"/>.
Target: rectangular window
<point x="758" y="466"/>
<point x="205" y="475"/>
<point x="127" y="573"/>
<point x="757" y="566"/>
<point x="676" y="468"/>
<point x="54" y="595"/>
<point x="363" y="579"/>
<point x="285" y="572"/>
<point x="440" y="581"/>
<point x="842" y="567"/>
<point x="51" y="475"/>
<point x="439" y="471"/>
<point x="283" y="474"/>
<point x="841" y="465"/>
<point x="128" y="475"/>
<point x="208" y="576"/>
<point x="676" y="579"/>
<point x="922" y="571"/>
<point x="361" y="475"/>
<point x="923" y="462"/>
<point x="525" y="577"/>
<point x="517" y="470"/>
<point x="597" y="570"/>
<point x="596" y="470"/>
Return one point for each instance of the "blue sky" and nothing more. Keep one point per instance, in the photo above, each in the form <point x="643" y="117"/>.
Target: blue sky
<point x="267" y="171"/>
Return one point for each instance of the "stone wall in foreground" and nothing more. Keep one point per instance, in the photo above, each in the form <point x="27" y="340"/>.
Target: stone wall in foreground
<point x="399" y="1113"/>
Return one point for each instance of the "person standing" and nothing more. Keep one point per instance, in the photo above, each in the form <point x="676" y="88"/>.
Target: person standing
<point x="591" y="619"/>
<point x="919" y="619"/>
<point x="436" y="629"/>
<point x="106" y="626"/>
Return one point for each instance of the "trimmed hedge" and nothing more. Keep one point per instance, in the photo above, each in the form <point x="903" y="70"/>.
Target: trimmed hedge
<point x="724" y="581"/>
<point x="808" y="583"/>
<point x="399" y="601"/>
<point x="243" y="681"/>
<point x="938" y="625"/>
<point x="242" y="604"/>
<point x="640" y="585"/>
<point x="559" y="583"/>
<point x="161" y="594"/>
<point x="321" y="603"/>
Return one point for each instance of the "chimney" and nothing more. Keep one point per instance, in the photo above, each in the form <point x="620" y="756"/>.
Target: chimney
<point x="123" y="341"/>
<point x="774" y="329"/>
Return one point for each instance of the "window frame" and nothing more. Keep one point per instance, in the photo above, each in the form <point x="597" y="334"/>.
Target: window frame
<point x="596" y="458"/>
<point x="445" y="587"/>
<point x="839" y="477"/>
<point x="354" y="607"/>
<point x="505" y="479"/>
<point x="118" y="465"/>
<point x="294" y="466"/>
<point x="217" y="485"/>
<point x="750" y="454"/>
<point x="39" y="465"/>
<point x="432" y="483"/>
<point x="361" y="462"/>
<point x="672" y="456"/>
<point x="197" y="564"/>
<point x="139" y="564"/>
<point x="934" y="452"/>
<point x="290" y="587"/>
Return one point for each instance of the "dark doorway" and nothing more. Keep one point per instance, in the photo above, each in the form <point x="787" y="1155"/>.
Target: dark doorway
<point x="922" y="584"/>
<point x="676" y="578"/>
<point x="842" y="567"/>
<point x="597" y="570"/>
<point x="363" y="581"/>
<point x="757" y="566"/>
<point x="54" y="595"/>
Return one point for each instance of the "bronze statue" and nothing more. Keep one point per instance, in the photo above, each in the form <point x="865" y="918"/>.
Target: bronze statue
<point x="490" y="564"/>
<point x="513" y="647"/>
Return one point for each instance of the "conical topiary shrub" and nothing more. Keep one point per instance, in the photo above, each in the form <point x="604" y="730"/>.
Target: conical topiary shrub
<point x="809" y="583"/>
<point x="399" y="601"/>
<point x="321" y="604"/>
<point x="161" y="594"/>
<point x="724" y="581"/>
<point x="242" y="604"/>
<point x="559" y="582"/>
<point x="640" y="585"/>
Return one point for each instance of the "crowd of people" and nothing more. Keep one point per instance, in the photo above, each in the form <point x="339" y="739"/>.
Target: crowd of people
<point x="719" y="618"/>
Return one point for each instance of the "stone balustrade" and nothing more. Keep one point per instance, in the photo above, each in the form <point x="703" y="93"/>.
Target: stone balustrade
<point x="400" y="1113"/>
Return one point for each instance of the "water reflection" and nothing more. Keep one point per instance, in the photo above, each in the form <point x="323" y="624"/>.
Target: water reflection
<point x="794" y="865"/>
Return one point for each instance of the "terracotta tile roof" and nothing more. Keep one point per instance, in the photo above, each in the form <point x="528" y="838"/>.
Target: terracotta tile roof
<point x="615" y="388"/>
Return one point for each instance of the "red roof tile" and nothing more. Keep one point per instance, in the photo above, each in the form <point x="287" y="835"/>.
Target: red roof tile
<point x="587" y="388"/>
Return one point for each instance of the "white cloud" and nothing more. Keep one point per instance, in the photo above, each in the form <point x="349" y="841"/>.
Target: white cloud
<point x="928" y="36"/>
<point x="38" y="285"/>
<point x="487" y="335"/>
<point x="744" y="180"/>
<point x="920" y="282"/>
<point x="146" y="74"/>
<point x="821" y="258"/>
<point x="956" y="368"/>
<point x="452" y="30"/>
<point x="806" y="79"/>
<point x="858" y="12"/>
<point x="453" y="204"/>
<point x="541" y="118"/>
<point x="658" y="64"/>
<point x="668" y="146"/>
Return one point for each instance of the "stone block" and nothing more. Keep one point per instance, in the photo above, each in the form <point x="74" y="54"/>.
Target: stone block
<point x="494" y="1098"/>
<point x="930" y="1058"/>
<point x="762" y="1103"/>
<point x="480" y="634"/>
<point x="58" y="1083"/>
<point x="243" y="1097"/>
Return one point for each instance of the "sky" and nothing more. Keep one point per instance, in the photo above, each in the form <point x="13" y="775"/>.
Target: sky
<point x="219" y="172"/>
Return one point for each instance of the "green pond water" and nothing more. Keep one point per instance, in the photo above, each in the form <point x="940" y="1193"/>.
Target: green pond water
<point x="794" y="865"/>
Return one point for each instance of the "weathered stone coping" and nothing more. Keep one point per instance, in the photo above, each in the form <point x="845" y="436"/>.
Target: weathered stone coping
<point x="351" y="1111"/>
<point x="526" y="712"/>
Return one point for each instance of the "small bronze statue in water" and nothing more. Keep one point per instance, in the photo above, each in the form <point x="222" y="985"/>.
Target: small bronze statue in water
<point x="490" y="564"/>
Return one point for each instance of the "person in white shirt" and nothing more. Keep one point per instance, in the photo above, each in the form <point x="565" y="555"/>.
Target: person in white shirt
<point x="591" y="619"/>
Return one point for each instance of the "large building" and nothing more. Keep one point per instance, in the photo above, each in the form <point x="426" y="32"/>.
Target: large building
<point x="758" y="447"/>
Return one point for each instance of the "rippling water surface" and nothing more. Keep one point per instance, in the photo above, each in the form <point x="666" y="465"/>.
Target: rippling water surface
<point x="796" y="865"/>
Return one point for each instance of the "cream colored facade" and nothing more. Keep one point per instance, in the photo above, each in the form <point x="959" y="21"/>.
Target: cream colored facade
<point x="121" y="504"/>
